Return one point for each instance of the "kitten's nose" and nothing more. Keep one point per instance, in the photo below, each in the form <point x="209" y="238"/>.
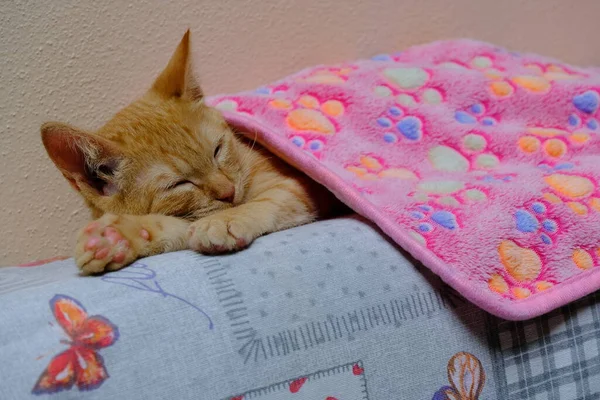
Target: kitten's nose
<point x="227" y="194"/>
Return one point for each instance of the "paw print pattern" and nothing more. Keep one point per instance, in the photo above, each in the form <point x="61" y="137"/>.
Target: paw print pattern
<point x="232" y="105"/>
<point x="396" y="123"/>
<point x="555" y="167"/>
<point x="475" y="115"/>
<point x="522" y="272"/>
<point x="373" y="168"/>
<point x="585" y="259"/>
<point x="471" y="155"/>
<point x="311" y="119"/>
<point x="386" y="57"/>
<point x="503" y="85"/>
<point x="448" y="193"/>
<point x="331" y="76"/>
<point x="576" y="122"/>
<point x="426" y="215"/>
<point x="555" y="142"/>
<point x="410" y="86"/>
<point x="532" y="220"/>
<point x="553" y="72"/>
<point x="426" y="219"/>
<point x="276" y="91"/>
<point x="498" y="86"/>
<point x="586" y="105"/>
<point x="497" y="178"/>
<point x="579" y="193"/>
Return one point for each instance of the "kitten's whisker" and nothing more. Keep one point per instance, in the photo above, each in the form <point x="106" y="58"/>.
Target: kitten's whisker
<point x="250" y="149"/>
<point x="254" y="141"/>
<point x="256" y="163"/>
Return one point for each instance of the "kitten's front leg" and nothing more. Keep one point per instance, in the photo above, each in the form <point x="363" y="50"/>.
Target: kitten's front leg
<point x="114" y="241"/>
<point x="237" y="227"/>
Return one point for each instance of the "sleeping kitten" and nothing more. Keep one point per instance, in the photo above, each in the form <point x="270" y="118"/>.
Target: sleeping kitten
<point x="167" y="173"/>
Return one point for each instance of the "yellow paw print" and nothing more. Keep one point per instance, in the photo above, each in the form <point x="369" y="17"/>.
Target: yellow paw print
<point x="447" y="193"/>
<point x="331" y="76"/>
<point x="553" y="72"/>
<point x="372" y="168"/>
<point x="410" y="85"/>
<point x="310" y="115"/>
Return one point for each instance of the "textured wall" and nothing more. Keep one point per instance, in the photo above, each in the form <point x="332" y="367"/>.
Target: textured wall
<point x="80" y="61"/>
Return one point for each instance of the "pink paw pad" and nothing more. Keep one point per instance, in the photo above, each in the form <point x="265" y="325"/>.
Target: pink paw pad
<point x="119" y="257"/>
<point x="92" y="243"/>
<point x="102" y="253"/>
<point x="91" y="227"/>
<point x="112" y="235"/>
<point x="145" y="234"/>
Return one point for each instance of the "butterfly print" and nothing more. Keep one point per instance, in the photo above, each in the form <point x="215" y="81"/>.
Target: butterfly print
<point x="466" y="377"/>
<point x="81" y="364"/>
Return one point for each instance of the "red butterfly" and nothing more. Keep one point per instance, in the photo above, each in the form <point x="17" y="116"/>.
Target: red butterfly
<point x="80" y="364"/>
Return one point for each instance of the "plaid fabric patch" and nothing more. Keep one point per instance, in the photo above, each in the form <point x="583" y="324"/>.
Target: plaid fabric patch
<point x="556" y="356"/>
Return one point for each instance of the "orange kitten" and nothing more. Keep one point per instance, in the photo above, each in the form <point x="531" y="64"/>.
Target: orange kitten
<point x="167" y="173"/>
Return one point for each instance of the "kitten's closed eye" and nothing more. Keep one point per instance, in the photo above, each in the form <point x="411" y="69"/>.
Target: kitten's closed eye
<point x="180" y="184"/>
<point x="217" y="150"/>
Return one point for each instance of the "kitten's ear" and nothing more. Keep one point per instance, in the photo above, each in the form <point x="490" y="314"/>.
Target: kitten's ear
<point x="177" y="79"/>
<point x="83" y="159"/>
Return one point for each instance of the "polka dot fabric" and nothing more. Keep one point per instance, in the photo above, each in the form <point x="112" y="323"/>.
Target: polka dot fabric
<point x="482" y="163"/>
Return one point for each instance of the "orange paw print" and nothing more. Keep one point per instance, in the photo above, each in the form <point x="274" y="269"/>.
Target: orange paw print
<point x="553" y="142"/>
<point x="503" y="85"/>
<point x="310" y="115"/>
<point x="311" y="119"/>
<point x="584" y="259"/>
<point x="372" y="168"/>
<point x="522" y="272"/>
<point x="577" y="192"/>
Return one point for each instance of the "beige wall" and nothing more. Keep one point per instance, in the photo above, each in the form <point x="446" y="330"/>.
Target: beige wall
<point x="80" y="61"/>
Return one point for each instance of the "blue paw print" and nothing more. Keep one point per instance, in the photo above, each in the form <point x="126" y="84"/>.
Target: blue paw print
<point x="427" y="218"/>
<point x="312" y="146"/>
<point x="576" y="122"/>
<point x="587" y="103"/>
<point x="496" y="178"/>
<point x="385" y="57"/>
<point x="263" y="90"/>
<point x="528" y="221"/>
<point x="409" y="127"/>
<point x="267" y="91"/>
<point x="558" y="167"/>
<point x="474" y="115"/>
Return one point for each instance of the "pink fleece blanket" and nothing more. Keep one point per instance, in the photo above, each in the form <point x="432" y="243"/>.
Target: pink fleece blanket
<point x="482" y="163"/>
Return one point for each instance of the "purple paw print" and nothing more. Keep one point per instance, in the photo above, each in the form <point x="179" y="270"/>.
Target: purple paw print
<point x="398" y="125"/>
<point x="475" y="115"/>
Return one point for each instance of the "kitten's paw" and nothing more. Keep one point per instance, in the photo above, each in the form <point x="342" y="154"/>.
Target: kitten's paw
<point x="109" y="243"/>
<point x="220" y="233"/>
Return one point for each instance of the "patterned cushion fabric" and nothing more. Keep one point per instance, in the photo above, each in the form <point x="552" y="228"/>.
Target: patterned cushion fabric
<point x="331" y="310"/>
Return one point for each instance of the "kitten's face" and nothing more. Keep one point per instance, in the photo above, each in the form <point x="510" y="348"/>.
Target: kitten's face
<point x="181" y="159"/>
<point x="166" y="153"/>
